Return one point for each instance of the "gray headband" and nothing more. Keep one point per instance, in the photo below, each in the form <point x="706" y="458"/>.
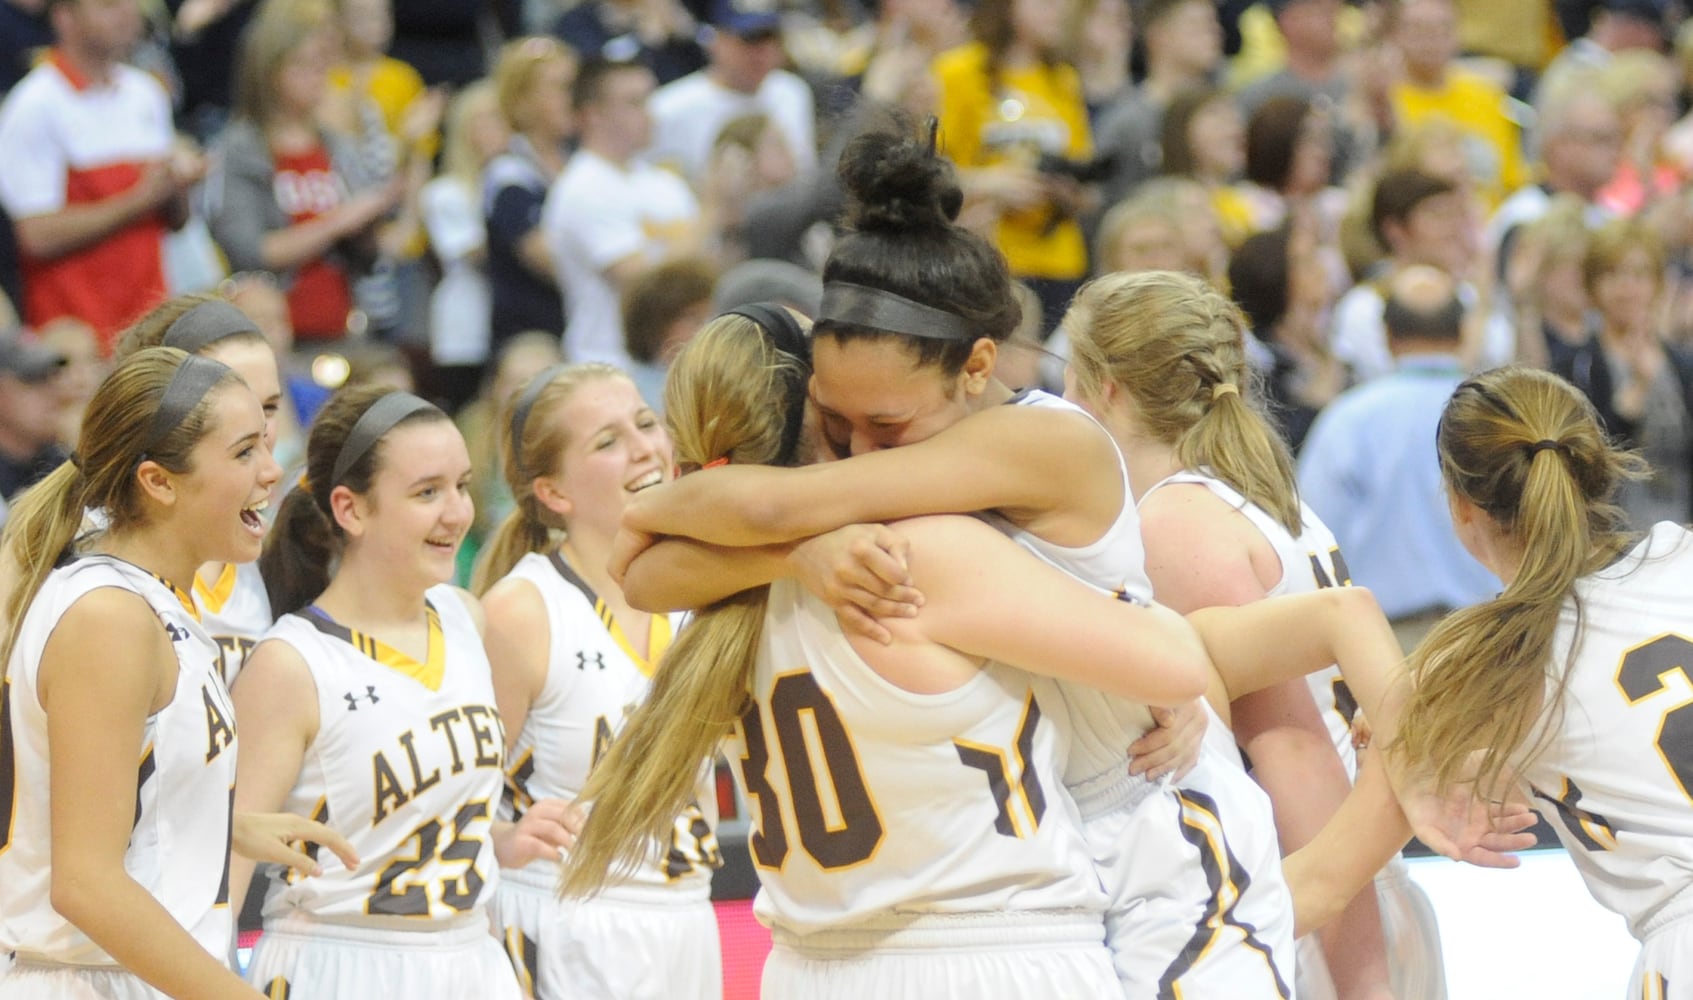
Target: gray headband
<point x="205" y="325"/>
<point x="377" y="420"/>
<point x="187" y="387"/>
<point x="857" y="305"/>
<point x="525" y="403"/>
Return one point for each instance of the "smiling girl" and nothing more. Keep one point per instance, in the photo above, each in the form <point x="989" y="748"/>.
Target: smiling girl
<point x="370" y="707"/>
<point x="117" y="739"/>
<point x="571" y="658"/>
<point x="229" y="596"/>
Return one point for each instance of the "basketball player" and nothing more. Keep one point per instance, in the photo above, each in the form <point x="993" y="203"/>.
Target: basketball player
<point x="905" y="346"/>
<point x="885" y="871"/>
<point x="1159" y="358"/>
<point x="117" y="738"/>
<point x="570" y="660"/>
<point x="1576" y="677"/>
<point x="230" y="596"/>
<point x="369" y="706"/>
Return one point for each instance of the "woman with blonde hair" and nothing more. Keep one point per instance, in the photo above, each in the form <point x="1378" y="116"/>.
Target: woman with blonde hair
<point x="460" y="305"/>
<point x="579" y="442"/>
<point x="289" y="196"/>
<point x="1569" y="687"/>
<point x="924" y="839"/>
<point x="532" y="80"/>
<point x="1160" y="359"/>
<point x="114" y="878"/>
<point x="230" y="597"/>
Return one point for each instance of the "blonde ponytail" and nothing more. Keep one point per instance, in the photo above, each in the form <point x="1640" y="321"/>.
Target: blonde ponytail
<point x="728" y="394"/>
<point x="1177" y="349"/>
<point x="43" y="523"/>
<point x="1525" y="448"/>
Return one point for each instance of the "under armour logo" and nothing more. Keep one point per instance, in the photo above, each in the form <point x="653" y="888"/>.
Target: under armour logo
<point x="354" y="699"/>
<point x="176" y="632"/>
<point x="583" y="659"/>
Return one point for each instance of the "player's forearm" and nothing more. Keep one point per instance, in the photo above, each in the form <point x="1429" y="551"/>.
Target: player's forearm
<point x="680" y="574"/>
<point x="125" y="921"/>
<point x="76" y="227"/>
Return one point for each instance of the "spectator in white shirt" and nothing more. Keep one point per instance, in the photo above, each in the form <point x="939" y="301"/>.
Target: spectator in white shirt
<point x="743" y="77"/>
<point x="609" y="217"/>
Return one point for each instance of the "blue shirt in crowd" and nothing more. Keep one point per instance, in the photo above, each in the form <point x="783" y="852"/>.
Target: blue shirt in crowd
<point x="1370" y="470"/>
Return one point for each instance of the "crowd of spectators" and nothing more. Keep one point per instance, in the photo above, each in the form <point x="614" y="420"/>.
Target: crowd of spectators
<point x="453" y="195"/>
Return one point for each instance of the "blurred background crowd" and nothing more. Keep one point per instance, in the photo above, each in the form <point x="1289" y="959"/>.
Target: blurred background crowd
<point x="449" y="195"/>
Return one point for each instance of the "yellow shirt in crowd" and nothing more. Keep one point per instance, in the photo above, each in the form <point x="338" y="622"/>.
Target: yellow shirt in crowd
<point x="1477" y="106"/>
<point x="1026" y="112"/>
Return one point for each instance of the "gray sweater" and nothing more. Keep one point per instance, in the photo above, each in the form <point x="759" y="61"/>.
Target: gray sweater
<point x="240" y="194"/>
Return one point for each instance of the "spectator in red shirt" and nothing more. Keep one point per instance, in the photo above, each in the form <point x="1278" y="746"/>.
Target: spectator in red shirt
<point x="285" y="195"/>
<point x="90" y="174"/>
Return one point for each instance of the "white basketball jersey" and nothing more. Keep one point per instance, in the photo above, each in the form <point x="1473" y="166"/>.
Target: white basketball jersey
<point x="407" y="765"/>
<point x="595" y="679"/>
<point x="1616" y="778"/>
<point x="1117" y="561"/>
<point x="871" y="800"/>
<point x="1104" y="724"/>
<point x="179" y="846"/>
<point x="235" y="609"/>
<point x="1310" y="562"/>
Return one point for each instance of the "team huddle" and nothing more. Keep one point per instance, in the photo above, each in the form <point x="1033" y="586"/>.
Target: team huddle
<point x="986" y="664"/>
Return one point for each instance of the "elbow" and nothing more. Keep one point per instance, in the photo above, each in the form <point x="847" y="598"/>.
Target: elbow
<point x="1184" y="678"/>
<point x="35" y="241"/>
<point x="764" y="517"/>
<point x="645" y="591"/>
<point x="77" y="893"/>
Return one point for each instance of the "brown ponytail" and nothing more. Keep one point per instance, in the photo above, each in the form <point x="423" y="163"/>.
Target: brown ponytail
<point x="531" y="527"/>
<point x="1526" y="448"/>
<point x="46" y="519"/>
<point x="727" y="397"/>
<point x="1177" y="349"/>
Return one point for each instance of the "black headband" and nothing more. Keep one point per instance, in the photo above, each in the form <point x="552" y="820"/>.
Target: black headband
<point x="187" y="387"/>
<point x="857" y="305"/>
<point x="378" y="419"/>
<point x="780" y="324"/>
<point x="786" y="336"/>
<point x="525" y="403"/>
<point x="205" y="325"/>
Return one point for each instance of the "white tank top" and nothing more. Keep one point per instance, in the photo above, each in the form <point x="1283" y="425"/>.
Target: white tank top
<point x="594" y="680"/>
<point x="179" y="847"/>
<point x="1616" y="779"/>
<point x="407" y="765"/>
<point x="1103" y="725"/>
<point x="235" y="609"/>
<point x="871" y="801"/>
<point x="1309" y="563"/>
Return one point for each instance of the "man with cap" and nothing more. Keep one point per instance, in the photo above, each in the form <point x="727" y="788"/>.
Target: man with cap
<point x="1370" y="471"/>
<point x="743" y="76"/>
<point x="32" y="404"/>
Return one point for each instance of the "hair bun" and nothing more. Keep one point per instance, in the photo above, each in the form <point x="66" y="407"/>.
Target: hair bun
<point x="897" y="183"/>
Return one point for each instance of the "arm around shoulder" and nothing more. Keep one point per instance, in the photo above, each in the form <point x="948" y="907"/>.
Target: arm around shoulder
<point x="985" y="596"/>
